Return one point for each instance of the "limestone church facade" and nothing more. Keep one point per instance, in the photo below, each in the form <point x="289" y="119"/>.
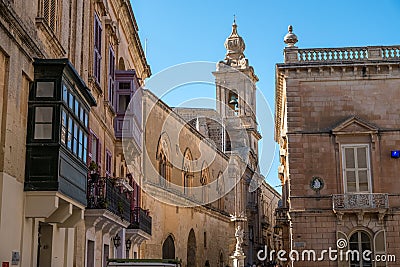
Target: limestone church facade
<point x="198" y="166"/>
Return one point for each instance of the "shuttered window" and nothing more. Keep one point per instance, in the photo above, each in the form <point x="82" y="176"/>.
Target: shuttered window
<point x="50" y="13"/>
<point x="108" y="162"/>
<point x="356" y="168"/>
<point x="97" y="48"/>
<point x="111" y="75"/>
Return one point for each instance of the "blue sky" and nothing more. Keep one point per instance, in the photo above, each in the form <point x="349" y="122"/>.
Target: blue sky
<point x="180" y="31"/>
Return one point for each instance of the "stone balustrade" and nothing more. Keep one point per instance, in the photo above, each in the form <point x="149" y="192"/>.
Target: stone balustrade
<point x="343" y="54"/>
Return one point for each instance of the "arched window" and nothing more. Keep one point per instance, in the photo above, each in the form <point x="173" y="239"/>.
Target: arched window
<point x="204" y="180"/>
<point x="163" y="160"/>
<point x="191" y="249"/>
<point x="360" y="241"/>
<point x="168" y="248"/>
<point x="187" y="175"/>
<point x="221" y="191"/>
<point x="233" y="102"/>
<point x="162" y="168"/>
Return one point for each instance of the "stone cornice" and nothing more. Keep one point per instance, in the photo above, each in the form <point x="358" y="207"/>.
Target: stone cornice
<point x="134" y="41"/>
<point x="24" y="36"/>
<point x="330" y="70"/>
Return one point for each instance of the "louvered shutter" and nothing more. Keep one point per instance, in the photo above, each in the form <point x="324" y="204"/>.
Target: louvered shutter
<point x="89" y="147"/>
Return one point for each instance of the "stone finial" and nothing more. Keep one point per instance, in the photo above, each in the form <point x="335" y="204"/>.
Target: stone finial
<point x="235" y="47"/>
<point x="290" y="38"/>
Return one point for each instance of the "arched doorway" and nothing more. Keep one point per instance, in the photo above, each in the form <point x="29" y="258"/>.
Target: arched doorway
<point x="191" y="249"/>
<point x="168" y="248"/>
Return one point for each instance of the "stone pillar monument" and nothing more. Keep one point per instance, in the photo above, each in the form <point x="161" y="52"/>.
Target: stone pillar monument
<point x="238" y="256"/>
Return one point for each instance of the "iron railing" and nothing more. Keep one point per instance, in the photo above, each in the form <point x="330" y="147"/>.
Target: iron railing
<point x="103" y="193"/>
<point x="140" y="219"/>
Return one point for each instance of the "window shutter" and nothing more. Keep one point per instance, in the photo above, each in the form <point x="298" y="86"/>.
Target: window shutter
<point x="380" y="246"/>
<point x="97" y="48"/>
<point x="111" y="73"/>
<point x="89" y="147"/>
<point x="46" y="10"/>
<point x="53" y="14"/>
<point x="99" y="155"/>
<point x="342" y="236"/>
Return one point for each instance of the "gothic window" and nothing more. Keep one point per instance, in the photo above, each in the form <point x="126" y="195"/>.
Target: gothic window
<point x="356" y="168"/>
<point x="163" y="160"/>
<point x="187" y="171"/>
<point x="360" y="242"/>
<point x="204" y="180"/>
<point x="162" y="169"/>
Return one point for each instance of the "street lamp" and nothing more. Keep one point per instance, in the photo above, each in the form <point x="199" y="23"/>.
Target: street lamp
<point x="277" y="229"/>
<point x="128" y="244"/>
<point x="117" y="241"/>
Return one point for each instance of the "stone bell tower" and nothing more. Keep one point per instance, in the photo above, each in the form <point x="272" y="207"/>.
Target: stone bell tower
<point x="236" y="97"/>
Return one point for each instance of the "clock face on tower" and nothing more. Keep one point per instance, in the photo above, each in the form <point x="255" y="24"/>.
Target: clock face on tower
<point x="316" y="183"/>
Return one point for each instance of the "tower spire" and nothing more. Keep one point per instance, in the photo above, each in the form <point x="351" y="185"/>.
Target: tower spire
<point x="235" y="47"/>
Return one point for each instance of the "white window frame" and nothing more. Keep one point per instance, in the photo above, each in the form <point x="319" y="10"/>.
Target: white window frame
<point x="343" y="147"/>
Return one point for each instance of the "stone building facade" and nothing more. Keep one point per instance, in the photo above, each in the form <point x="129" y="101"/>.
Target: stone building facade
<point x="62" y="64"/>
<point x="69" y="193"/>
<point x="337" y="123"/>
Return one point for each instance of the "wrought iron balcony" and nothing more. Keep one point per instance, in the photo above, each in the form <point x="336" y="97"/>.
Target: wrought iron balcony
<point x="103" y="193"/>
<point x="141" y="220"/>
<point x="360" y="201"/>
